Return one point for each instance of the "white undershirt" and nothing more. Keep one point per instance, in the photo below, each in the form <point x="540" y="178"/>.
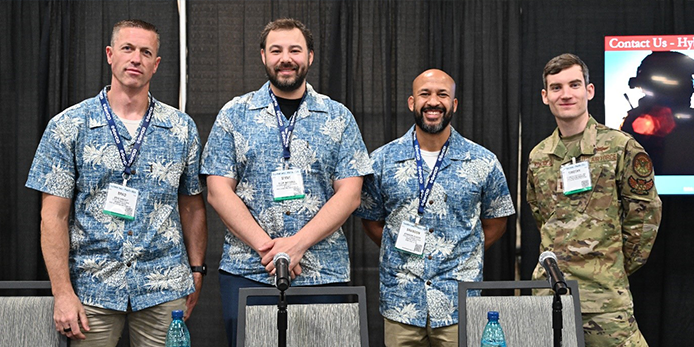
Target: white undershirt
<point x="429" y="157"/>
<point x="132" y="125"/>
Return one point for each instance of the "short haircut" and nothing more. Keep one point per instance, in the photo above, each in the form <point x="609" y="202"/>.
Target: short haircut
<point x="561" y="63"/>
<point x="287" y="24"/>
<point x="133" y="23"/>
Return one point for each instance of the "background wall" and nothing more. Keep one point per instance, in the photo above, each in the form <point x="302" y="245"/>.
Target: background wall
<point x="367" y="54"/>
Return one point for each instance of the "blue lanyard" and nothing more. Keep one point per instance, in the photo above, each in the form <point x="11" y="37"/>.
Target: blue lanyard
<point x="424" y="192"/>
<point x="286" y="130"/>
<point x="127" y="160"/>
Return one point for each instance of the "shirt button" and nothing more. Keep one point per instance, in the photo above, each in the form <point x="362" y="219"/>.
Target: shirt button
<point x="428" y="283"/>
<point x="431" y="202"/>
<point x="130" y="232"/>
<point x="132" y="171"/>
<point x="429" y="257"/>
<point x="128" y="264"/>
<point x="288" y="213"/>
<point x="431" y="230"/>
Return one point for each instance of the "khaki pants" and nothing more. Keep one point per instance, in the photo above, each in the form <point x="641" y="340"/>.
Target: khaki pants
<point x="397" y="334"/>
<point x="147" y="327"/>
<point x="612" y="329"/>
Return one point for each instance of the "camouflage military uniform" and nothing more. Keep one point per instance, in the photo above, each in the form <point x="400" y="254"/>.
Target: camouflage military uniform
<point x="603" y="235"/>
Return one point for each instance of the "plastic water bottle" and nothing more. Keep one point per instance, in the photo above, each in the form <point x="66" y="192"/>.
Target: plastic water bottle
<point x="178" y="335"/>
<point x="493" y="335"/>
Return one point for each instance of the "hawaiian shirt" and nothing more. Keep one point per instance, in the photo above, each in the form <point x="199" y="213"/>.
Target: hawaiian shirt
<point x="326" y="145"/>
<point x="471" y="185"/>
<point x="602" y="235"/>
<point x="114" y="261"/>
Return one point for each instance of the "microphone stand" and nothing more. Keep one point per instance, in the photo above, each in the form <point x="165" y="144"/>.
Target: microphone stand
<point x="282" y="320"/>
<point x="557" y="323"/>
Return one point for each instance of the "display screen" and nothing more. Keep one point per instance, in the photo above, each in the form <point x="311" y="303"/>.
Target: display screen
<point x="648" y="94"/>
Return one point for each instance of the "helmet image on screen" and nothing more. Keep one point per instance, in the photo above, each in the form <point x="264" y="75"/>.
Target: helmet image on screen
<point x="663" y="123"/>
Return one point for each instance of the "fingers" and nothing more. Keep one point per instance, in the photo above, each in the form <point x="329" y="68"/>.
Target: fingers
<point x="190" y="305"/>
<point x="191" y="301"/>
<point x="68" y="315"/>
<point x="297" y="269"/>
<point x="193" y="297"/>
<point x="270" y="267"/>
<point x="266" y="246"/>
<point x="67" y="331"/>
<point x="73" y="331"/>
<point x="81" y="321"/>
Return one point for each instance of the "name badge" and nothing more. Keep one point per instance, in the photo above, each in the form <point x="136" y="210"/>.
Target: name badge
<point x="576" y="178"/>
<point x="287" y="185"/>
<point x="121" y="201"/>
<point x="411" y="238"/>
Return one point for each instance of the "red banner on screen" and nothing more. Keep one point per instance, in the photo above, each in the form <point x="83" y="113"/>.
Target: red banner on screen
<point x="649" y="43"/>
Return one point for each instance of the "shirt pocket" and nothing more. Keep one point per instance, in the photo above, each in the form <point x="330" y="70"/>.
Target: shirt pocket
<point x="162" y="172"/>
<point x="600" y="199"/>
<point x="549" y="195"/>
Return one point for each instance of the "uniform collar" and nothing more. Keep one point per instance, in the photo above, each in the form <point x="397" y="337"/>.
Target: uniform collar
<point x="587" y="143"/>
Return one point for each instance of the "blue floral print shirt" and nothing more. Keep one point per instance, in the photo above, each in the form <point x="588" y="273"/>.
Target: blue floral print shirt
<point x="326" y="145"/>
<point x="470" y="185"/>
<point x="112" y="260"/>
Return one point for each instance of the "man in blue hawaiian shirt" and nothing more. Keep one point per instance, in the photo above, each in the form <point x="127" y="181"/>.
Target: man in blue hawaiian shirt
<point x="435" y="202"/>
<point x="127" y="166"/>
<point x="285" y="167"/>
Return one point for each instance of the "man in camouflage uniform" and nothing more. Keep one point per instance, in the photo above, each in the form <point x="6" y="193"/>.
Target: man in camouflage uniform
<point x="592" y="194"/>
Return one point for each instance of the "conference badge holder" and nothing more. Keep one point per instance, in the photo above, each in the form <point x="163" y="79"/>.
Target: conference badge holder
<point x="287" y="185"/>
<point x="576" y="177"/>
<point x="411" y="238"/>
<point x="121" y="201"/>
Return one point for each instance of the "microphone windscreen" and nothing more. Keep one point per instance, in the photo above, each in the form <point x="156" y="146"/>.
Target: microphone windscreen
<point x="278" y="256"/>
<point x="546" y="255"/>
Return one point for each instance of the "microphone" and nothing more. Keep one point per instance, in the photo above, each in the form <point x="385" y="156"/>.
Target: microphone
<point x="282" y="279"/>
<point x="548" y="260"/>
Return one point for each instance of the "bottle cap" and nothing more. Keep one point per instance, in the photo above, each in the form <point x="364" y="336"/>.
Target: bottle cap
<point x="177" y="314"/>
<point x="493" y="315"/>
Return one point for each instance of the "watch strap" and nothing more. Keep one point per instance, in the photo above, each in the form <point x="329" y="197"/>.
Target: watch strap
<point x="201" y="269"/>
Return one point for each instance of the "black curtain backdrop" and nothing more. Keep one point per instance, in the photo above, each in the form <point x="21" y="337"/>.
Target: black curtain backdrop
<point x="366" y="55"/>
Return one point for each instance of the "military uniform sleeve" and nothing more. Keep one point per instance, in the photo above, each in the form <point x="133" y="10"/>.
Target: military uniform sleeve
<point x="532" y="197"/>
<point x="641" y="206"/>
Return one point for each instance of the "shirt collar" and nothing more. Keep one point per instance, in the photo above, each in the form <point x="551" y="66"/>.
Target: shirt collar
<point x="97" y="119"/>
<point x="457" y="150"/>
<point x="313" y="102"/>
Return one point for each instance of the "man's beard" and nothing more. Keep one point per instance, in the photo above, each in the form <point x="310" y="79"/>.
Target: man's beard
<point x="288" y="84"/>
<point x="432" y="128"/>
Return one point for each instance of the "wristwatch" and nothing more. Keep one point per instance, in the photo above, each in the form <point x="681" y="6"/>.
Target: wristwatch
<point x="201" y="269"/>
